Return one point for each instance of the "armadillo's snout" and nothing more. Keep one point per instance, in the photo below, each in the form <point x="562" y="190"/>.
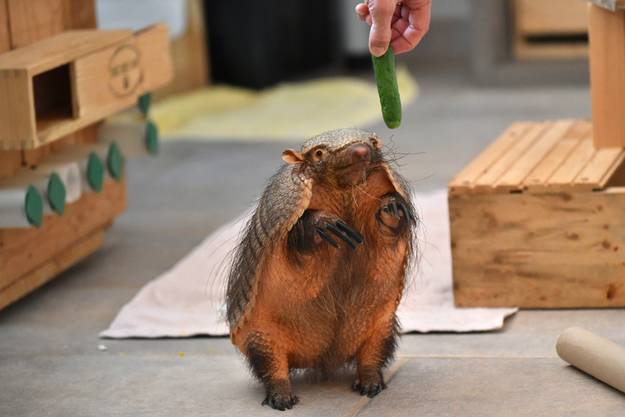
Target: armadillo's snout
<point x="361" y="152"/>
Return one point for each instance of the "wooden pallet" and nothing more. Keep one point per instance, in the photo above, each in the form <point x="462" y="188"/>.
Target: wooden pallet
<point x="537" y="221"/>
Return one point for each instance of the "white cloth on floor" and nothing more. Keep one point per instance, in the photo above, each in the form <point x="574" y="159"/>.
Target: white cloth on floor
<point x="188" y="299"/>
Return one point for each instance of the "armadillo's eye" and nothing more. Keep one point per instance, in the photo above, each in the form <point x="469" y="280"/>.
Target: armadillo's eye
<point x="319" y="154"/>
<point x="374" y="142"/>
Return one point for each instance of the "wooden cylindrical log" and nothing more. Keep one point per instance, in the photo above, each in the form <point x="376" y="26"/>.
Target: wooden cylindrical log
<point x="594" y="355"/>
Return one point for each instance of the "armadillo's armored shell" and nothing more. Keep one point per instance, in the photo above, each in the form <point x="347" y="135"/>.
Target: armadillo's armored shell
<point x="284" y="200"/>
<point x="337" y="139"/>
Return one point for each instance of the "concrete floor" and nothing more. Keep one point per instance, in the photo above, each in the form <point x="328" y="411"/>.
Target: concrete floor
<point x="50" y="364"/>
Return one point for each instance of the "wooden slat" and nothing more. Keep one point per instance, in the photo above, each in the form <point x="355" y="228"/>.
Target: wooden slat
<point x="538" y="179"/>
<point x="480" y="165"/>
<point x="488" y="181"/>
<point x="5" y="36"/>
<point x="514" y="177"/>
<point x="60" y="49"/>
<point x="607" y="76"/>
<point x="563" y="178"/>
<point x="52" y="267"/>
<point x="23" y="250"/>
<point x="598" y="170"/>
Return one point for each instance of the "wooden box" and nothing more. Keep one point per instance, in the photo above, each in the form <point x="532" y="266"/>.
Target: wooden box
<point x="538" y="220"/>
<point x="58" y="85"/>
<point x="552" y="29"/>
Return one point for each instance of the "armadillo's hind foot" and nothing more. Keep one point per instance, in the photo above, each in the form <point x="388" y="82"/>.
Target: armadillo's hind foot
<point x="279" y="396"/>
<point x="369" y="386"/>
<point x="270" y="365"/>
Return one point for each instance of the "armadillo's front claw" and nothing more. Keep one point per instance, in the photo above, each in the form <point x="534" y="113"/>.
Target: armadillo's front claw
<point x="327" y="237"/>
<point x="346" y="233"/>
<point x="339" y="233"/>
<point x="354" y="234"/>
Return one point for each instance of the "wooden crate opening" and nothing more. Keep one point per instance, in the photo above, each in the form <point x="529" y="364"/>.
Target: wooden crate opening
<point x="52" y="91"/>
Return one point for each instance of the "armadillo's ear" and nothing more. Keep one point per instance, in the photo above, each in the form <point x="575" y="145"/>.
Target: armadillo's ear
<point x="291" y="156"/>
<point x="376" y="142"/>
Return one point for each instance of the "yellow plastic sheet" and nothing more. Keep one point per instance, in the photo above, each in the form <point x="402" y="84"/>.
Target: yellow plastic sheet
<point x="286" y="112"/>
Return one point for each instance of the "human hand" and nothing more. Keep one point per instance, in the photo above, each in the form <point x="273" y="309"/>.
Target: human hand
<point x="401" y="24"/>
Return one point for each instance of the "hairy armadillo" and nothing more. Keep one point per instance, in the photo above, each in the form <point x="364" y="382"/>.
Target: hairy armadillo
<point x="320" y="269"/>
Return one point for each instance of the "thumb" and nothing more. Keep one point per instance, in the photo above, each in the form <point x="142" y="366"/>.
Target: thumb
<point x="381" y="17"/>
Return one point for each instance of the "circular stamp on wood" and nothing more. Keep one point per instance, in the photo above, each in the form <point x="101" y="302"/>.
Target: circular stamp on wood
<point x="125" y="72"/>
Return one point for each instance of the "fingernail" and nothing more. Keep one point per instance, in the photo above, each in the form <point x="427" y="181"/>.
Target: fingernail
<point x="377" y="50"/>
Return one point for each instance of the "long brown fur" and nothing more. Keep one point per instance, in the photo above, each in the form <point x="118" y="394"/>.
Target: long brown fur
<point x="316" y="305"/>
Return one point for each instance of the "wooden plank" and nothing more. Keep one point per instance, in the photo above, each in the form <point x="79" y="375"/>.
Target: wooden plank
<point x="607" y="76"/>
<point x="76" y="252"/>
<point x="488" y="180"/>
<point x="480" y="165"/>
<point x="598" y="170"/>
<point x="551" y="250"/>
<point x="23" y="250"/>
<point x="515" y="176"/>
<point x="538" y="179"/>
<point x="550" y="17"/>
<point x="563" y="178"/>
<point x="33" y="20"/>
<point x="60" y="49"/>
<point x="10" y="163"/>
<point x="17" y="121"/>
<point x="5" y="36"/>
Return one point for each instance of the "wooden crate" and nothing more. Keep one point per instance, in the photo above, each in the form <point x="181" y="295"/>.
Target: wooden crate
<point x="553" y="29"/>
<point x="538" y="220"/>
<point x="58" y="85"/>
